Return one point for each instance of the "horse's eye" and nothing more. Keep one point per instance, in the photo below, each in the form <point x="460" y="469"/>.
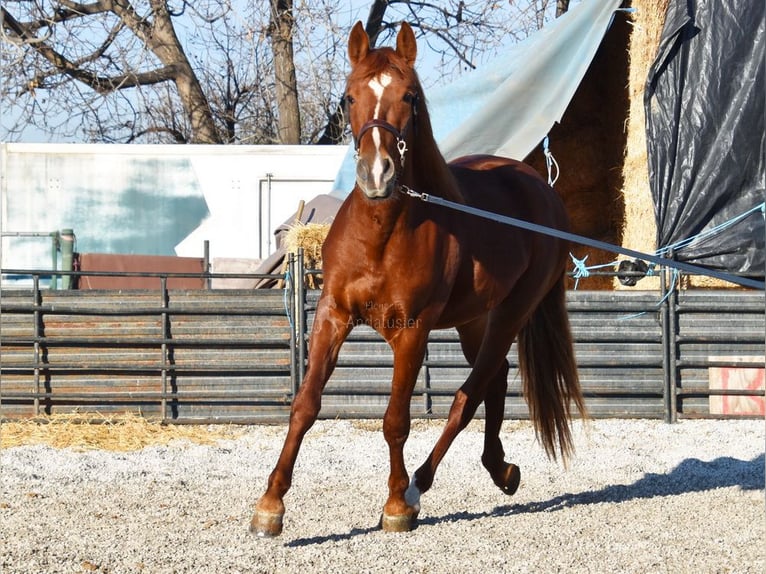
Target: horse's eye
<point x="408" y="98"/>
<point x="348" y="99"/>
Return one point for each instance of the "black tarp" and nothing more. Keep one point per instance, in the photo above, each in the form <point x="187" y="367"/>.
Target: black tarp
<point x="705" y="129"/>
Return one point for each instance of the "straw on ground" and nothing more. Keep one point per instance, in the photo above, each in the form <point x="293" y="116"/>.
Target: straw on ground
<point x="121" y="432"/>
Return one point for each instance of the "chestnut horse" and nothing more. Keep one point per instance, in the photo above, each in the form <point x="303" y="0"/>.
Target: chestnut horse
<point x="405" y="267"/>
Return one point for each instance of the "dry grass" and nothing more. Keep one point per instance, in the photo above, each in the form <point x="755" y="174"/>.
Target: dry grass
<point x="89" y="431"/>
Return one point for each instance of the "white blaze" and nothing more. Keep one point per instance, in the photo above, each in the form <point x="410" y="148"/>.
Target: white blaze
<point x="378" y="85"/>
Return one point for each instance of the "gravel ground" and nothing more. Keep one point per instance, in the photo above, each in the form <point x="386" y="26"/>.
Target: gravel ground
<point x="639" y="496"/>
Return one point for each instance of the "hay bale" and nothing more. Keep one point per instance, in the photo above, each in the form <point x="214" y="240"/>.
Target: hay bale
<point x="589" y="144"/>
<point x="310" y="237"/>
<point x="639" y="226"/>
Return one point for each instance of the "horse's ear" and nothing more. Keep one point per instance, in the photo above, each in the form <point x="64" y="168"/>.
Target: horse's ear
<point x="358" y="44"/>
<point x="406" y="46"/>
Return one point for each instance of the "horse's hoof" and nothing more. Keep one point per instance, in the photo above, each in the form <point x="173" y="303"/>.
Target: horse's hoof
<point x="511" y="479"/>
<point x="398" y="523"/>
<point x="266" y="524"/>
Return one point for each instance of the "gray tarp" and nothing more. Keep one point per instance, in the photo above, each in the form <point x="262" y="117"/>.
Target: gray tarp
<point x="705" y="130"/>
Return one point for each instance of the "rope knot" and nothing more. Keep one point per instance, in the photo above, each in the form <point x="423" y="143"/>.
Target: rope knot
<point x="580" y="270"/>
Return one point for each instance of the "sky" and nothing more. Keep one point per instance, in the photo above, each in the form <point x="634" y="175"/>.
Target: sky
<point x="356" y="10"/>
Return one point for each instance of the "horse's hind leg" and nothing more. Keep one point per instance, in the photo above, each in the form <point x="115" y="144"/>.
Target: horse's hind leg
<point x="486" y="354"/>
<point x="505" y="475"/>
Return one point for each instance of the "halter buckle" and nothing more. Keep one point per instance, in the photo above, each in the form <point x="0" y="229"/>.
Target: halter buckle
<point x="401" y="145"/>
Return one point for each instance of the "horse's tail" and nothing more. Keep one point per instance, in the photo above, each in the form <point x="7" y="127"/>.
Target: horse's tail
<point x="549" y="372"/>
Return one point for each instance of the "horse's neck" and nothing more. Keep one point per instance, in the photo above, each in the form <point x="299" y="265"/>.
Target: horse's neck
<point x="381" y="215"/>
<point x="428" y="171"/>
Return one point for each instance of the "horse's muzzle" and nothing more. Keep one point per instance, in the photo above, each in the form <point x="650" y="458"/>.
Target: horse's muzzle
<point x="377" y="179"/>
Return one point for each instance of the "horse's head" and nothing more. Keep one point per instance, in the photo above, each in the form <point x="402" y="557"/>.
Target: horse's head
<point x="382" y="97"/>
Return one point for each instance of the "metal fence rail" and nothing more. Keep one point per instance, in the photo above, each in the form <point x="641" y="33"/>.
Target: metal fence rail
<point x="170" y="354"/>
<point x="715" y="332"/>
<point x="620" y="364"/>
<point x="221" y="355"/>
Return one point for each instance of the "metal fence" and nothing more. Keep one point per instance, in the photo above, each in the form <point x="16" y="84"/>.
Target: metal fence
<point x="221" y="355"/>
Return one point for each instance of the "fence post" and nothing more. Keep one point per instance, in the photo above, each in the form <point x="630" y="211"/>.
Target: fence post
<point x="206" y="264"/>
<point x="674" y="347"/>
<point x="66" y="244"/>
<point x="54" y="259"/>
<point x="165" y="319"/>
<point x="290" y="297"/>
<point x="669" y="348"/>
<point x="666" y="381"/>
<point x="427" y="399"/>
<point x="300" y="313"/>
<point x="37" y="333"/>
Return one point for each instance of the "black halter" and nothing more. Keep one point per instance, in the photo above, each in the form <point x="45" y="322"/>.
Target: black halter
<point x="378" y="123"/>
<point x="400" y="136"/>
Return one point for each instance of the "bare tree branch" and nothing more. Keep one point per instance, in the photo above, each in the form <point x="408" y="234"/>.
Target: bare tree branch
<point x="178" y="136"/>
<point x="208" y="70"/>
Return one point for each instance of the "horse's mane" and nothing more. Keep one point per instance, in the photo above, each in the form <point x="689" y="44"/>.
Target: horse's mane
<point x="433" y="175"/>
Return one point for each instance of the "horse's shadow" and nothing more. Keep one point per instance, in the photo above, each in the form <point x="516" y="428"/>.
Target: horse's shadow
<point x="692" y="475"/>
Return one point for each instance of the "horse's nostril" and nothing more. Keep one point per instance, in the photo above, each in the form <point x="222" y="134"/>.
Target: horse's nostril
<point x="362" y="173"/>
<point x="388" y="168"/>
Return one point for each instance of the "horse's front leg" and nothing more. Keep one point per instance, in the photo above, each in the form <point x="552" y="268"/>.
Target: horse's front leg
<point x="401" y="509"/>
<point x="331" y="326"/>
